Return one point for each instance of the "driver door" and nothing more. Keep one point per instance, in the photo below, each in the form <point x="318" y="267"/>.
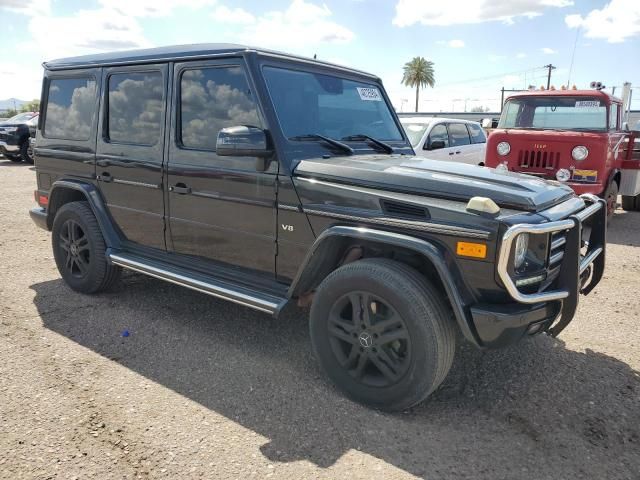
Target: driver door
<point x="438" y="133"/>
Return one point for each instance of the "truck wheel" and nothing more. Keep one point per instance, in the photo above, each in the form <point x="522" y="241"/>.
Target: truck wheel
<point x="13" y="158"/>
<point x="611" y="197"/>
<point x="79" y="250"/>
<point x="631" y="203"/>
<point x="382" y="333"/>
<point x="26" y="152"/>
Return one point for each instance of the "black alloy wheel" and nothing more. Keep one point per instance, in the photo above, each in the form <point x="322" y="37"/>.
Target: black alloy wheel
<point x="369" y="339"/>
<point x="75" y="244"/>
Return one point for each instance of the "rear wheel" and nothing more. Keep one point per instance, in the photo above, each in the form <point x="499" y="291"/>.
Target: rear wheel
<point x="26" y="152"/>
<point x="79" y="250"/>
<point x="13" y="158"/>
<point x="631" y="203"/>
<point x="382" y="333"/>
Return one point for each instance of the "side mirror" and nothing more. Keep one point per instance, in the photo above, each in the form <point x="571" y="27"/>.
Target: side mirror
<point x="436" y="145"/>
<point x="242" y="141"/>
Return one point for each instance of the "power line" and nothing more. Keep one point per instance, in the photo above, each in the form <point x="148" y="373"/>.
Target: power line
<point x="490" y="77"/>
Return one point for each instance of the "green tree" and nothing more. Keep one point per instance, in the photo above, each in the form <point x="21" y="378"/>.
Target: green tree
<point x="32" y="106"/>
<point x="418" y="73"/>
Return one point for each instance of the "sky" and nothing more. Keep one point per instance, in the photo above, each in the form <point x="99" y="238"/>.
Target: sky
<point x="477" y="46"/>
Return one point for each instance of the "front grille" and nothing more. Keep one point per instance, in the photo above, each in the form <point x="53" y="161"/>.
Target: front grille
<point x="538" y="160"/>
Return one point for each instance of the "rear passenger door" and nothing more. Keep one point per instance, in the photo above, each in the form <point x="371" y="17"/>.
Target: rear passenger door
<point x="220" y="209"/>
<point x="130" y="150"/>
<point x="478" y="143"/>
<point x="461" y="148"/>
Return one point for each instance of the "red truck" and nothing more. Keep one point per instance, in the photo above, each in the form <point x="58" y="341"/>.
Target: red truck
<point x="571" y="136"/>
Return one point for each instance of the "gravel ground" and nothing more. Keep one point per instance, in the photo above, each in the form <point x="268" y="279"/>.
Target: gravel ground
<point x="201" y="388"/>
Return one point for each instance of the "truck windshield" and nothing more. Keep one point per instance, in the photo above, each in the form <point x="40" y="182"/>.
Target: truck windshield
<point x="550" y="113"/>
<point x="310" y="103"/>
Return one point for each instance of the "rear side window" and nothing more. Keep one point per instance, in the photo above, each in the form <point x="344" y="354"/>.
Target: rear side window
<point x="135" y="108"/>
<point x="458" y="134"/>
<point x="212" y="99"/>
<point x="476" y="133"/>
<point x="70" y="109"/>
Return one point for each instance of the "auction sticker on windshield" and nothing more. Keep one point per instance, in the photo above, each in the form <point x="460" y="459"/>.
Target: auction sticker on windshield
<point x="369" y="94"/>
<point x="587" y="103"/>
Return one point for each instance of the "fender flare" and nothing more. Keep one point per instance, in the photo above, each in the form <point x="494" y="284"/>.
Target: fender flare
<point x="328" y="244"/>
<point x="93" y="197"/>
<point x="612" y="174"/>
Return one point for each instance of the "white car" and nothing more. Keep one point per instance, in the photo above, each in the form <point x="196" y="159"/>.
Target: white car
<point x="446" y="139"/>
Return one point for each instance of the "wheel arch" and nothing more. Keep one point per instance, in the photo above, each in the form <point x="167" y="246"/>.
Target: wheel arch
<point x="334" y="248"/>
<point x="65" y="191"/>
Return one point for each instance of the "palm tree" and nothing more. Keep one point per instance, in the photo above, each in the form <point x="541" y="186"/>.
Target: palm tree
<point x="418" y="73"/>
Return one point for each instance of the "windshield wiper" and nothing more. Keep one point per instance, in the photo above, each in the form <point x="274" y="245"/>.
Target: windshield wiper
<point x="385" y="147"/>
<point x="314" y="136"/>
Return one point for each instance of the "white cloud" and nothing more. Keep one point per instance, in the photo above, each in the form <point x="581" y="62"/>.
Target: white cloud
<point x="496" y="58"/>
<point x="615" y="22"/>
<point x="27" y="7"/>
<point x="521" y="55"/>
<point x="92" y="31"/>
<point x="21" y="81"/>
<point x="548" y="51"/>
<point x="233" y="15"/>
<point x="453" y="12"/>
<point x="301" y="24"/>
<point x="456" y="43"/>
<point x="152" y="8"/>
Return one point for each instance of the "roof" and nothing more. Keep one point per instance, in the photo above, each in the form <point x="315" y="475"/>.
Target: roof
<point x="425" y="119"/>
<point x="566" y="93"/>
<point x="176" y="52"/>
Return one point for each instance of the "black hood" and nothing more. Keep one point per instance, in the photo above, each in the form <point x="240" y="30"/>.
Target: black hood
<point x="435" y="178"/>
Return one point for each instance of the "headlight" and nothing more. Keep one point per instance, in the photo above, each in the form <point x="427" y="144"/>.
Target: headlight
<point x="503" y="148"/>
<point x="579" y="153"/>
<point x="522" y="244"/>
<point x="10" y="129"/>
<point x="502" y="167"/>
<point x="563" y="175"/>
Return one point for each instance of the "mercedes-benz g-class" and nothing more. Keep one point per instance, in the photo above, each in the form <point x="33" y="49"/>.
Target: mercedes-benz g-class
<point x="264" y="178"/>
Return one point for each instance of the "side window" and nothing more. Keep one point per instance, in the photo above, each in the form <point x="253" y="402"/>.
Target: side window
<point x="211" y="99"/>
<point x="458" y="134"/>
<point x="70" y="108"/>
<point x="438" y="133"/>
<point x="613" y="116"/>
<point x="135" y="108"/>
<point x="476" y="133"/>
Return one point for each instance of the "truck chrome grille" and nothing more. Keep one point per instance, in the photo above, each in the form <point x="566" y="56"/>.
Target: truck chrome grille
<point x="538" y="160"/>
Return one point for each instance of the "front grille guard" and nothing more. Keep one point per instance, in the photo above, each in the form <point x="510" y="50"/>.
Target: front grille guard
<point x="574" y="265"/>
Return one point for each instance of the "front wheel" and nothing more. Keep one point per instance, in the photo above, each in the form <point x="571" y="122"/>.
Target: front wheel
<point x="13" y="158"/>
<point x="79" y="249"/>
<point x="26" y="152"/>
<point x="382" y="333"/>
<point x="611" y="197"/>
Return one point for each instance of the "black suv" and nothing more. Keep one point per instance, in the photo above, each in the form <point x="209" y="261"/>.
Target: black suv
<point x="264" y="178"/>
<point x="14" y="137"/>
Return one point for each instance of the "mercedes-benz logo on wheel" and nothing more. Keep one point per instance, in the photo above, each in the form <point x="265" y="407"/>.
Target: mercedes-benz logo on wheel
<point x="366" y="340"/>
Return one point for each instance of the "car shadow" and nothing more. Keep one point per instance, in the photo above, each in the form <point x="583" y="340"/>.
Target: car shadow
<point x="5" y="162"/>
<point x="623" y="228"/>
<point x="537" y="408"/>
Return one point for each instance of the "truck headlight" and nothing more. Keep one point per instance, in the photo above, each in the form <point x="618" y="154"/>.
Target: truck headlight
<point x="503" y="148"/>
<point x="522" y="245"/>
<point x="563" y="175"/>
<point x="10" y="129"/>
<point x="579" y="153"/>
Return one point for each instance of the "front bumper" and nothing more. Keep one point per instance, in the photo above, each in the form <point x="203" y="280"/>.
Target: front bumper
<point x="39" y="217"/>
<point x="552" y="309"/>
<point x="7" y="148"/>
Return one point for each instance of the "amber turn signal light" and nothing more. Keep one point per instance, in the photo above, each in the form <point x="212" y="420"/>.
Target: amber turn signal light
<point x="470" y="249"/>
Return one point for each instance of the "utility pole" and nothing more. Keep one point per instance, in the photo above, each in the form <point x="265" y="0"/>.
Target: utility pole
<point x="550" y="67"/>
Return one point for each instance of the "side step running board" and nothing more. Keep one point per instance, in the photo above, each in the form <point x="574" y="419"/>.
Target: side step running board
<point x="196" y="281"/>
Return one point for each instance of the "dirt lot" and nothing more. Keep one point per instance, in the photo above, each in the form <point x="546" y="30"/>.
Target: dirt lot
<point x="204" y="389"/>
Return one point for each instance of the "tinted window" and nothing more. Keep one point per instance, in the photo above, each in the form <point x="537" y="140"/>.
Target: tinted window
<point x="613" y="117"/>
<point x="313" y="103"/>
<point x="135" y="108"/>
<point x="476" y="133"/>
<point x="458" y="134"/>
<point x="212" y="99"/>
<point x="70" y="108"/>
<point x="438" y="133"/>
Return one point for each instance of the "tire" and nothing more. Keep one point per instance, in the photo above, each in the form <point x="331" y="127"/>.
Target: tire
<point x="611" y="197"/>
<point x="631" y="203"/>
<point x="79" y="250"/>
<point x="26" y="153"/>
<point x="388" y="375"/>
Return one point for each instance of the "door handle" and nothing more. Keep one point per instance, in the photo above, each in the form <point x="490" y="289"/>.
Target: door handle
<point x="105" y="177"/>
<point x="458" y="152"/>
<point x="180" y="188"/>
<point x="450" y="153"/>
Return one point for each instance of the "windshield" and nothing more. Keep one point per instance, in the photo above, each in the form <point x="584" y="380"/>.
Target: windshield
<point x="545" y="112"/>
<point x="21" y="117"/>
<point x="311" y="103"/>
<point x="415" y="131"/>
